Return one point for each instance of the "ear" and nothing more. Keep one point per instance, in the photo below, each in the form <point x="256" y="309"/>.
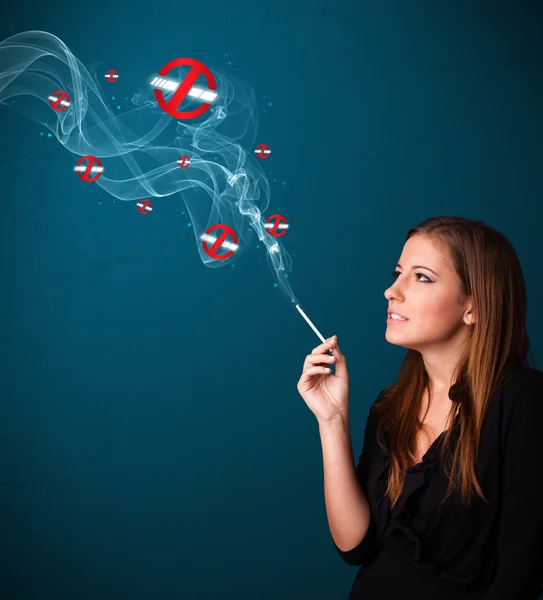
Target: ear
<point x="470" y="317"/>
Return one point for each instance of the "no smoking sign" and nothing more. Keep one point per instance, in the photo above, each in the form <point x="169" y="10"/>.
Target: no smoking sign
<point x="171" y="106"/>
<point x="111" y="75"/>
<point x="145" y="207"/>
<point x="280" y="223"/>
<point x="220" y="241"/>
<point x="84" y="170"/>
<point x="262" y="151"/>
<point x="59" y="100"/>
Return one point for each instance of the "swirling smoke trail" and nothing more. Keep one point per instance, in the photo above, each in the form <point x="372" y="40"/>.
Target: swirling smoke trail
<point x="225" y="183"/>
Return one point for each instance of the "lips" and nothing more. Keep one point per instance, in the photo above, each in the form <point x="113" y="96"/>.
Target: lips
<point x="390" y="312"/>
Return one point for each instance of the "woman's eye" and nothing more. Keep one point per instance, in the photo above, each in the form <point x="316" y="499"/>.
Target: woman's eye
<point x="428" y="280"/>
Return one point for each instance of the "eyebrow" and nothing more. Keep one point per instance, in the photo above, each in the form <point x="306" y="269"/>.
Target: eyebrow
<point x="419" y="267"/>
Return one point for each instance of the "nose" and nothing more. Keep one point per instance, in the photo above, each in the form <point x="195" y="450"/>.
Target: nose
<point x="391" y="292"/>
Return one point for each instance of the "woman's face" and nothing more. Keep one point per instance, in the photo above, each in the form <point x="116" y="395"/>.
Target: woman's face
<point x="429" y="297"/>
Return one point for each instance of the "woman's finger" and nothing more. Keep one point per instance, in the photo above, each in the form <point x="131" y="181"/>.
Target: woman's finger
<point x="325" y="346"/>
<point x="315" y="359"/>
<point x="341" y="362"/>
<point x="316" y="370"/>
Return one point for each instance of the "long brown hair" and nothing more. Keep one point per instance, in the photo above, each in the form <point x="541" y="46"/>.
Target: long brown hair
<point x="489" y="271"/>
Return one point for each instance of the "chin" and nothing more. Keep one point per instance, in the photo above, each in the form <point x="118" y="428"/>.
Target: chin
<point x="399" y="340"/>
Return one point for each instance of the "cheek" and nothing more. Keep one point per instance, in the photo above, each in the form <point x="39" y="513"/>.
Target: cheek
<point x="437" y="307"/>
<point x="435" y="311"/>
<point x="438" y="301"/>
<point x="437" y="314"/>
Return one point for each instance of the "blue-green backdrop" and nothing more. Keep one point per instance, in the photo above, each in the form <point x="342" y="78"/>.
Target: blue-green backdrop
<point x="152" y="441"/>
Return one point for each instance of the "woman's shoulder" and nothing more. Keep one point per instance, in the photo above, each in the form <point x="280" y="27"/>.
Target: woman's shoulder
<point x="519" y="378"/>
<point x="376" y="410"/>
<point x="522" y="392"/>
<point x="377" y="404"/>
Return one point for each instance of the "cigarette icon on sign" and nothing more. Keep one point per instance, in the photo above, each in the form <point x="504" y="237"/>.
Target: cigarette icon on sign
<point x="83" y="168"/>
<point x="53" y="98"/>
<point x="280" y="226"/>
<point x="87" y="165"/>
<point x="262" y="151"/>
<point x="196" y="92"/>
<point x="144" y="207"/>
<point x="112" y="75"/>
<point x="212" y="239"/>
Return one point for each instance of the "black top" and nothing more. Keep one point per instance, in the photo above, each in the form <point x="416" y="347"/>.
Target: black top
<point x="489" y="551"/>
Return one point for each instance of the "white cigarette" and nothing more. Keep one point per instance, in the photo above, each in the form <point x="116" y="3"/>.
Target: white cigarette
<point x="321" y="337"/>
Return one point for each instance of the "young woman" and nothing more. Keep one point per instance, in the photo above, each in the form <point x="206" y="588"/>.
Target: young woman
<point x="446" y="500"/>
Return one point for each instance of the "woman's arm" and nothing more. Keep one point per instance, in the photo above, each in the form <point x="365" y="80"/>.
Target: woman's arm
<point x="347" y="508"/>
<point x="351" y="523"/>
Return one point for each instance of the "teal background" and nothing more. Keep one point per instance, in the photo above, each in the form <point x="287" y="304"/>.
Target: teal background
<point x="152" y="440"/>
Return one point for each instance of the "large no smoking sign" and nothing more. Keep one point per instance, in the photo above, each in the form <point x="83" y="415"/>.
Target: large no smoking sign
<point x="186" y="88"/>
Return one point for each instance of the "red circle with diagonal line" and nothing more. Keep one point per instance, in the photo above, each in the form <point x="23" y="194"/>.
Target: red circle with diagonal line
<point x="110" y="75"/>
<point x="183" y="161"/>
<point x="216" y="245"/>
<point x="142" y="207"/>
<point x="278" y="219"/>
<point x="85" y="175"/>
<point x="262" y="155"/>
<point x="56" y="103"/>
<point x="185" y="86"/>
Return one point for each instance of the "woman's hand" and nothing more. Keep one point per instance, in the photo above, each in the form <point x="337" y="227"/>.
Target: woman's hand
<point x="327" y="395"/>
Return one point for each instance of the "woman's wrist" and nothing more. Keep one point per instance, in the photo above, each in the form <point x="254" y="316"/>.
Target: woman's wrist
<point x="339" y="422"/>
